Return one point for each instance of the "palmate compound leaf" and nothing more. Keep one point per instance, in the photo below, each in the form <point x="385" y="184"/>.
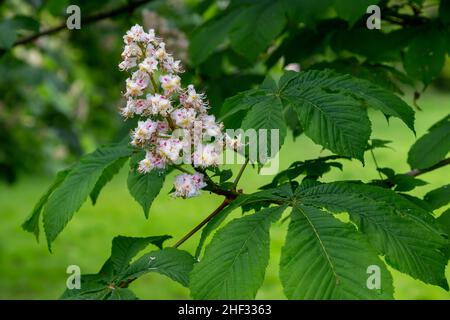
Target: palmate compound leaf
<point x="324" y="258"/>
<point x="406" y="234"/>
<point x="144" y="187"/>
<point x="331" y="108"/>
<point x="432" y="147"/>
<point x="68" y="197"/>
<point x="235" y="261"/>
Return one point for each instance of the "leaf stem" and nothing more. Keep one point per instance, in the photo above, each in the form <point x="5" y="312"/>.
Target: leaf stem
<point x="376" y="163"/>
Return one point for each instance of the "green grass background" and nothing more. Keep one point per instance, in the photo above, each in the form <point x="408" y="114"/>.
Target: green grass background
<point x="29" y="271"/>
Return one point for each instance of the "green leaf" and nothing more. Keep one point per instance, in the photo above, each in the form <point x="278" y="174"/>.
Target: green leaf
<point x="225" y="175"/>
<point x="439" y="197"/>
<point x="363" y="91"/>
<point x="335" y="121"/>
<point x="352" y="11"/>
<point x="266" y="115"/>
<point x="324" y="258"/>
<point x="407" y="235"/>
<point x="444" y="220"/>
<point x="92" y="287"/>
<point x="144" y="187"/>
<point x="444" y="11"/>
<point x="77" y="186"/>
<point x="173" y="263"/>
<point x="235" y="261"/>
<point x="235" y="107"/>
<point x="426" y="62"/>
<point x="256" y="26"/>
<point x="240" y="201"/>
<point x="25" y="23"/>
<point x="122" y="294"/>
<point x="312" y="169"/>
<point x="378" y="144"/>
<point x="307" y="11"/>
<point x="125" y="248"/>
<point x="106" y="177"/>
<point x="431" y="147"/>
<point x="210" y="35"/>
<point x="291" y="118"/>
<point x="382" y="75"/>
<point x="406" y="182"/>
<point x="8" y="34"/>
<point x="31" y="224"/>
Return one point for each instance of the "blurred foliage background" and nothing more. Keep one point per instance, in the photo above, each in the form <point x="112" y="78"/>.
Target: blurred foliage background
<point x="60" y="93"/>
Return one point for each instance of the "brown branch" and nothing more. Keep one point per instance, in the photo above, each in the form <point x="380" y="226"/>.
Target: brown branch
<point x="128" y="8"/>
<point x="219" y="209"/>
<point x="418" y="172"/>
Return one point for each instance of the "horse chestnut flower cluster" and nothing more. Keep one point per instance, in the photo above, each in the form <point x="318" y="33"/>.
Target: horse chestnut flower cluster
<point x="171" y="118"/>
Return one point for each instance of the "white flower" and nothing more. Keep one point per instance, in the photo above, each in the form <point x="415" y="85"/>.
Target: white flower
<point x="192" y="99"/>
<point x="184" y="118"/>
<point x="206" y="155"/>
<point x="127" y="64"/>
<point x="172" y="66"/>
<point x="129" y="110"/>
<point x="150" y="162"/>
<point x="149" y="65"/>
<point x="162" y="127"/>
<point x="170" y="84"/>
<point x="143" y="133"/>
<point x="149" y="36"/>
<point x="136" y="33"/>
<point x="131" y="50"/>
<point x="133" y="89"/>
<point x="141" y="78"/>
<point x="210" y="126"/>
<point x="170" y="148"/>
<point x="142" y="107"/>
<point x="161" y="53"/>
<point x="188" y="185"/>
<point x="234" y="143"/>
<point x="160" y="105"/>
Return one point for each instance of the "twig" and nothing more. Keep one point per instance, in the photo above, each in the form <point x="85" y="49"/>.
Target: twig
<point x="238" y="177"/>
<point x="418" y="172"/>
<point x="222" y="206"/>
<point x="128" y="8"/>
